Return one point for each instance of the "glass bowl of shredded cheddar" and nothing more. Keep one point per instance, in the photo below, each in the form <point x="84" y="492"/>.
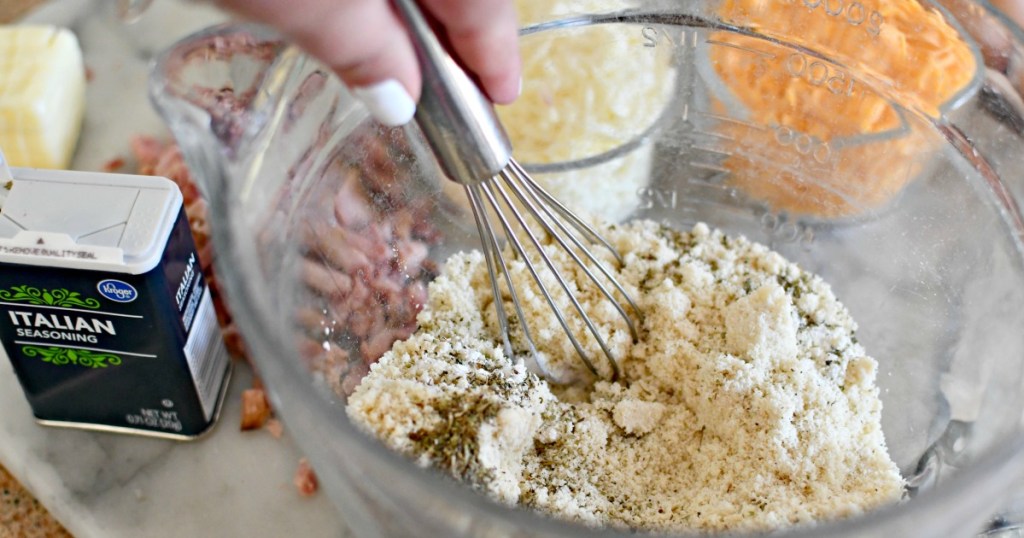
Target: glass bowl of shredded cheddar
<point x="817" y="208"/>
<point x="857" y="148"/>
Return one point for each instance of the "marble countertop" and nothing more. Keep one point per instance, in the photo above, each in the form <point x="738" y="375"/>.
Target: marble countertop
<point x="229" y="483"/>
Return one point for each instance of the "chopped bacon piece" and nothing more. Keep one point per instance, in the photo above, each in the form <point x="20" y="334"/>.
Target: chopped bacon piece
<point x="305" y="479"/>
<point x="113" y="165"/>
<point x="275" y="428"/>
<point x="255" y="409"/>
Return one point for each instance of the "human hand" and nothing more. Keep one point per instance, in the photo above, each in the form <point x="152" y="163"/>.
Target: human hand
<point x="367" y="45"/>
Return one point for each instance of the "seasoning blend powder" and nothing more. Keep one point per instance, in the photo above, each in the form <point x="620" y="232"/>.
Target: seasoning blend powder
<point x="746" y="404"/>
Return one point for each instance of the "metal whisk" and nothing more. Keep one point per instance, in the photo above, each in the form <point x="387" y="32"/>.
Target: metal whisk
<point x="472" y="148"/>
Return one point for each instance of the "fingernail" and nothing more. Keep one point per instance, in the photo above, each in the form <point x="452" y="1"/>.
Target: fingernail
<point x="519" y="90"/>
<point x="388" y="102"/>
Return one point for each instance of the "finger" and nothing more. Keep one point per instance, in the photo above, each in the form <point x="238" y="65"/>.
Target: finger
<point x="360" y="40"/>
<point x="484" y="36"/>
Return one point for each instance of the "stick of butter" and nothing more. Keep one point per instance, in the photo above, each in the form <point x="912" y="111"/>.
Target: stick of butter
<point x="42" y="95"/>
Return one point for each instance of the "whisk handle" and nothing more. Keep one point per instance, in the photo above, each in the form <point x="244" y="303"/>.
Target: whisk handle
<point x="458" y="121"/>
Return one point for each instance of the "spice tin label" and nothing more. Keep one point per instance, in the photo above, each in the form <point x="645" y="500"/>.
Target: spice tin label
<point x="140" y="353"/>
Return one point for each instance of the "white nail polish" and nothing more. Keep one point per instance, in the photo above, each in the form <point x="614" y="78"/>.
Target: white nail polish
<point x="387" y="101"/>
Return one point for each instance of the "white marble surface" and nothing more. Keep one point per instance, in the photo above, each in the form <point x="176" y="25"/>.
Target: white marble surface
<point x="229" y="483"/>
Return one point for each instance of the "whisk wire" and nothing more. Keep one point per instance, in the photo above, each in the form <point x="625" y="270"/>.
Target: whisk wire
<point x="566" y="213"/>
<point x="542" y="211"/>
<point x="489" y="248"/>
<point x="521" y="251"/>
<point x="492" y="254"/>
<point x="558" y="277"/>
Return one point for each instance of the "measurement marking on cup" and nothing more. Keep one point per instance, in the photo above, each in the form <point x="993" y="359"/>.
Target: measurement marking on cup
<point x="785" y="230"/>
<point x="713" y="150"/>
<point x="714" y="135"/>
<point x="852" y="13"/>
<point x="653" y="35"/>
<point x="712" y="183"/>
<point x="803" y="143"/>
<point x="706" y="166"/>
<point x="651" y="198"/>
<point x="819" y="73"/>
<point x="761" y="53"/>
<point x="655" y="198"/>
<point x="732" y="120"/>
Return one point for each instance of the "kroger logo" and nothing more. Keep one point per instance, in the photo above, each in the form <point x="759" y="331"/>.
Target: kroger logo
<point x="115" y="290"/>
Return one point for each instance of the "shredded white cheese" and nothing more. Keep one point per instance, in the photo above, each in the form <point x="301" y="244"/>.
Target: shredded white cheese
<point x="587" y="91"/>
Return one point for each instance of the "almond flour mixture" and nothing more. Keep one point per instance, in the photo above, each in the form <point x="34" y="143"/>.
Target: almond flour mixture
<point x="746" y="404"/>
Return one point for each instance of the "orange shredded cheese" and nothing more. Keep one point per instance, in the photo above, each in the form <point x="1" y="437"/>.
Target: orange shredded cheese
<point x="851" y="148"/>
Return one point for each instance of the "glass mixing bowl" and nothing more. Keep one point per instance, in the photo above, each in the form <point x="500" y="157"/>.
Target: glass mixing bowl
<point x="878" y="144"/>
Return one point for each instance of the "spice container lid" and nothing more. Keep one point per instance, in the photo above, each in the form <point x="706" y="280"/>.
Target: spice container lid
<point x="87" y="220"/>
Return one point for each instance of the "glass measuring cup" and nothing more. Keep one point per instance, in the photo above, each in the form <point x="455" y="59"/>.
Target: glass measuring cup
<point x="932" y="270"/>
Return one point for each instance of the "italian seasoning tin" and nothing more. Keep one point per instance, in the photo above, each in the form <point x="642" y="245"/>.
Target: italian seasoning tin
<point x="104" y="313"/>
